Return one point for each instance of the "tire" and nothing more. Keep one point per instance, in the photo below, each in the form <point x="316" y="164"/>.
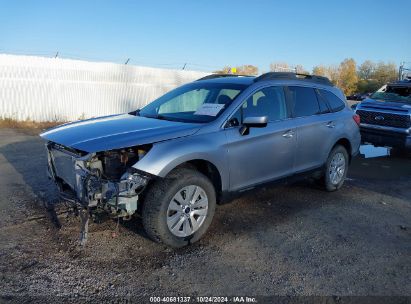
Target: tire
<point x="162" y="203"/>
<point x="334" y="178"/>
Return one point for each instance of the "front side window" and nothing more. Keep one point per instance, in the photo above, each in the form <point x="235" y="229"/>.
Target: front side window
<point x="336" y="104"/>
<point x="194" y="102"/>
<point x="265" y="102"/>
<point x="303" y="101"/>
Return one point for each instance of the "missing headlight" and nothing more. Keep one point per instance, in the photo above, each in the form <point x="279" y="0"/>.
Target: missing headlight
<point x="115" y="163"/>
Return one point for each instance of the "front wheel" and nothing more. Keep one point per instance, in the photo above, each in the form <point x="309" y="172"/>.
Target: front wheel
<point x="178" y="209"/>
<point x="336" y="168"/>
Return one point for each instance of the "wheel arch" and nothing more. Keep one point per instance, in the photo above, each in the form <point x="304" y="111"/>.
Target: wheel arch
<point x="207" y="168"/>
<point x="345" y="142"/>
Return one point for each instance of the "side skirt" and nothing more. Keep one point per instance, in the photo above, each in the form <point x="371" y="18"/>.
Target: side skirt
<point x="228" y="196"/>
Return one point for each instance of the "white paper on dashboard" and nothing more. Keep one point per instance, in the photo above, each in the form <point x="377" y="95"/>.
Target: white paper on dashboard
<point x="210" y="109"/>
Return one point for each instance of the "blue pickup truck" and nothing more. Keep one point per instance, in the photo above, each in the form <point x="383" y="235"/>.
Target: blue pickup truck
<point x="386" y="116"/>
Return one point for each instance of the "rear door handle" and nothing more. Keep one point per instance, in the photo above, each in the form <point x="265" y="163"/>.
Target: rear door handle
<point x="288" y="134"/>
<point x="330" y="124"/>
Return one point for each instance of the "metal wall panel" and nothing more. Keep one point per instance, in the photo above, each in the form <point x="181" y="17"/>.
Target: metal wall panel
<point x="48" y="89"/>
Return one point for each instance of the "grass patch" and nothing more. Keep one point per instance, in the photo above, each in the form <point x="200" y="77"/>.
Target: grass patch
<point x="28" y="126"/>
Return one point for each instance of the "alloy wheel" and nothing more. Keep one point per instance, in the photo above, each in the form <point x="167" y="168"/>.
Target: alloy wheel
<point x="187" y="211"/>
<point x="336" y="169"/>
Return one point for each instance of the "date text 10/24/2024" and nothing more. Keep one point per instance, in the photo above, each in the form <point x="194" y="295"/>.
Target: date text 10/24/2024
<point x="207" y="299"/>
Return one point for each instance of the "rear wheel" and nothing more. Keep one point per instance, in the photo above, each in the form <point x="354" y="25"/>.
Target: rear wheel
<point x="178" y="209"/>
<point x="336" y="168"/>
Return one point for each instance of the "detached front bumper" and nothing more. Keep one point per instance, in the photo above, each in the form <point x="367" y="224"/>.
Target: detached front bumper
<point x="81" y="180"/>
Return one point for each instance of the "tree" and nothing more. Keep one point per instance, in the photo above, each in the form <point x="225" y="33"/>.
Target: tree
<point x="320" y="70"/>
<point x="333" y="73"/>
<point x="300" y="69"/>
<point x="373" y="76"/>
<point x="224" y="70"/>
<point x="366" y="70"/>
<point x="369" y="76"/>
<point x="367" y="86"/>
<point x="280" y="67"/>
<point x="246" y="69"/>
<point x="385" y="73"/>
<point x="348" y="78"/>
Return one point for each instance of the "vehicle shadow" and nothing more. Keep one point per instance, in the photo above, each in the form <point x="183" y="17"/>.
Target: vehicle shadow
<point x="29" y="159"/>
<point x="375" y="167"/>
<point x="254" y="205"/>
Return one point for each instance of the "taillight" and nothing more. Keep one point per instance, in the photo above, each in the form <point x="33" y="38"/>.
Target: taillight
<point x="357" y="119"/>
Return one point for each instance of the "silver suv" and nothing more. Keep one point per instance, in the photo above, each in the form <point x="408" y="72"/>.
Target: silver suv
<point x="176" y="158"/>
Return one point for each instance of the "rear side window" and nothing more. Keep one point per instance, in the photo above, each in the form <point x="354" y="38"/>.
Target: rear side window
<point x="303" y="101"/>
<point x="336" y="104"/>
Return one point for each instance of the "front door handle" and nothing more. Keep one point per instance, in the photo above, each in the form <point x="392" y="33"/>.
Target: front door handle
<point x="288" y="134"/>
<point x="330" y="124"/>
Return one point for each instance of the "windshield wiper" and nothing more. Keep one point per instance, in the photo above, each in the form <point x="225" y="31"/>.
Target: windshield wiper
<point x="162" y="117"/>
<point x="158" y="116"/>
<point x="170" y="118"/>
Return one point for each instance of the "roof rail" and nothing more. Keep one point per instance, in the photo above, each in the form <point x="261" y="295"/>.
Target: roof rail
<point x="211" y="76"/>
<point x="293" y="76"/>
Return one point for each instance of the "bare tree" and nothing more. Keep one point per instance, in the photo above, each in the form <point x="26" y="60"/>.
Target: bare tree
<point x="300" y="69"/>
<point x="280" y="67"/>
<point x="366" y="70"/>
<point x="320" y="70"/>
<point x="246" y="69"/>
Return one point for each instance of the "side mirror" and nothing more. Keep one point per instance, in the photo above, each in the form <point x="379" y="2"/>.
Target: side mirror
<point x="135" y="112"/>
<point x="354" y="106"/>
<point x="253" y="122"/>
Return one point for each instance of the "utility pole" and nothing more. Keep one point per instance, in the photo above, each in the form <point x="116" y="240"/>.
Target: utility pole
<point x="400" y="71"/>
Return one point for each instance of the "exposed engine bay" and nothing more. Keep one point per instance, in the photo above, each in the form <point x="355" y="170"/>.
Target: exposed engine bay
<point x="99" y="182"/>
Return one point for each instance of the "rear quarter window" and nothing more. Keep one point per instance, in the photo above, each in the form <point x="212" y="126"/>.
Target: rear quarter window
<point x="335" y="103"/>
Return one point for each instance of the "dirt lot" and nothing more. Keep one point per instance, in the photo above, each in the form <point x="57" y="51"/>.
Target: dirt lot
<point x="288" y="240"/>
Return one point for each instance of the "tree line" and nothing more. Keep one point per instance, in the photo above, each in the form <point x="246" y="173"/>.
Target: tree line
<point x="367" y="77"/>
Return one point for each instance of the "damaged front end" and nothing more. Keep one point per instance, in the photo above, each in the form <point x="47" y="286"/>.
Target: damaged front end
<point x="101" y="182"/>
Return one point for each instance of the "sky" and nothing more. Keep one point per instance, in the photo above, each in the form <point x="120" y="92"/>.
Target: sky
<point x="209" y="34"/>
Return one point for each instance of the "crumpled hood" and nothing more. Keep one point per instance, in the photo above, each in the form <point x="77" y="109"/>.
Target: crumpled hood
<point x="117" y="131"/>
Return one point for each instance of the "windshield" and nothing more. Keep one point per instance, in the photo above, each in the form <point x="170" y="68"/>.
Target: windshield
<point x="399" y="94"/>
<point x="195" y="102"/>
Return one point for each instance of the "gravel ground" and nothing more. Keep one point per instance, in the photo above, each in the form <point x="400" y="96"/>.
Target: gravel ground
<point x="285" y="240"/>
